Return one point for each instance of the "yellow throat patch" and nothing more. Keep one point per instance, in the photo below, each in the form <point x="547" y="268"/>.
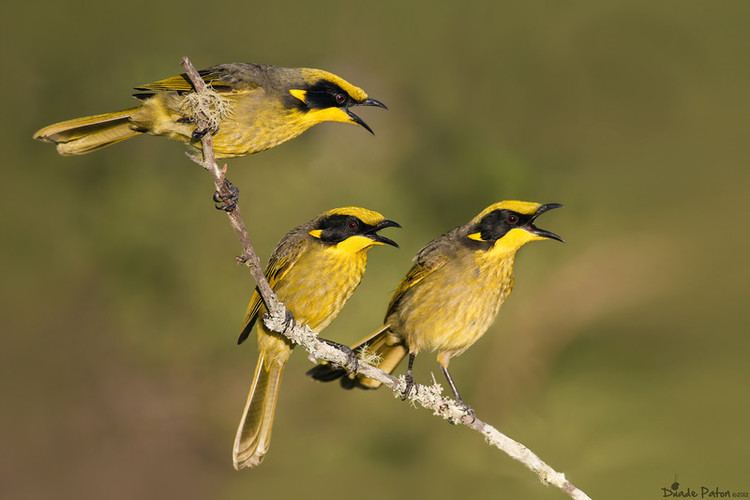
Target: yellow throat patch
<point x="514" y="239"/>
<point x="355" y="244"/>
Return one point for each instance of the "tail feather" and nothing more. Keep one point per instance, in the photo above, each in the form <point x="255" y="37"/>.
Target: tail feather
<point x="386" y="349"/>
<point x="89" y="133"/>
<point x="254" y="433"/>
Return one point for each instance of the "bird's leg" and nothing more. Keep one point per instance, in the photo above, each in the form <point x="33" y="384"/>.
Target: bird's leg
<point x="444" y="360"/>
<point x="409" y="377"/>
<point x="288" y="320"/>
<point x="286" y="324"/>
<point x="352" y="362"/>
<point x="452" y="385"/>
<point x="227" y="198"/>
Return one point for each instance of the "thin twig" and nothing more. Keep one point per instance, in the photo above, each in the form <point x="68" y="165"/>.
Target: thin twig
<point x="248" y="256"/>
<point x="427" y="396"/>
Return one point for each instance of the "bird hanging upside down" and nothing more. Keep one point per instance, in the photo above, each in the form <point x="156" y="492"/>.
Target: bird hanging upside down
<point x="314" y="270"/>
<point x="451" y="295"/>
<point x="264" y="107"/>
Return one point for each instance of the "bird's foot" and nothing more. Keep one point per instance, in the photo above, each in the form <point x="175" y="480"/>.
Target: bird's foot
<point x="352" y="361"/>
<point x="409" y="386"/>
<point x="288" y="320"/>
<point x="468" y="414"/>
<point x="227" y="198"/>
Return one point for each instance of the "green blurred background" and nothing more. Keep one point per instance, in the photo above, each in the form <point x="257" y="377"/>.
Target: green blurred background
<point x="621" y="358"/>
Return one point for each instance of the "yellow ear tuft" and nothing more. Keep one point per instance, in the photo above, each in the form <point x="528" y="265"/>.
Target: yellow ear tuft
<point x="315" y="233"/>
<point x="299" y="94"/>
<point x="475" y="236"/>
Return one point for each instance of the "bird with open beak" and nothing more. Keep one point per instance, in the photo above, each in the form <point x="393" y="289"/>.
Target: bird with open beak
<point x="452" y="293"/>
<point x="314" y="270"/>
<point x="261" y="107"/>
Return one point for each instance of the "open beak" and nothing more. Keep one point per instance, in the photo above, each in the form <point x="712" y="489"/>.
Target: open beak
<point x="373" y="232"/>
<point x="367" y="102"/>
<point x="543" y="232"/>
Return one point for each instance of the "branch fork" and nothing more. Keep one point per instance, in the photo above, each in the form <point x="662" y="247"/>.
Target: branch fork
<point x="277" y="319"/>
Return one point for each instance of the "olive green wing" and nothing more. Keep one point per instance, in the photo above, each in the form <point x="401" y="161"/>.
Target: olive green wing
<point x="222" y="78"/>
<point x="284" y="257"/>
<point x="431" y="258"/>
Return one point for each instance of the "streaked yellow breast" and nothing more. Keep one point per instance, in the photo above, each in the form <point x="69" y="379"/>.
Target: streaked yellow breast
<point x="317" y="287"/>
<point x="455" y="305"/>
<point x="315" y="290"/>
<point x="255" y="122"/>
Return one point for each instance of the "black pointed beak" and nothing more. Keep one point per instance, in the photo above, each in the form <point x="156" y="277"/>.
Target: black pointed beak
<point x="367" y="102"/>
<point x="373" y="232"/>
<point x="543" y="232"/>
<point x="359" y="121"/>
<point x="372" y="102"/>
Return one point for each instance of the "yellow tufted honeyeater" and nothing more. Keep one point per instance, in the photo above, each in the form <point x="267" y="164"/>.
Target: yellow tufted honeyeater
<point x="314" y="270"/>
<point x="265" y="106"/>
<point x="452" y="294"/>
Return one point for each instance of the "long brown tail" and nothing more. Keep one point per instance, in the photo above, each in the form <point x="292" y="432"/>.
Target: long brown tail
<point x="89" y="133"/>
<point x="386" y="349"/>
<point x="254" y="433"/>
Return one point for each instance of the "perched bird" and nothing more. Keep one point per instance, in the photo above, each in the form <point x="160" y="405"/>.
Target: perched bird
<point x="262" y="107"/>
<point x="314" y="270"/>
<point x="452" y="294"/>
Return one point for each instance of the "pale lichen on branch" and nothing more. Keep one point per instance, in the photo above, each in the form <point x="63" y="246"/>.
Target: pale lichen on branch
<point x="206" y="108"/>
<point x="207" y="112"/>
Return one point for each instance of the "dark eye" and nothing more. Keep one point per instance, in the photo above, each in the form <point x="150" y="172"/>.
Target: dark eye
<point x="353" y="225"/>
<point x="512" y="219"/>
<point x="340" y="99"/>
